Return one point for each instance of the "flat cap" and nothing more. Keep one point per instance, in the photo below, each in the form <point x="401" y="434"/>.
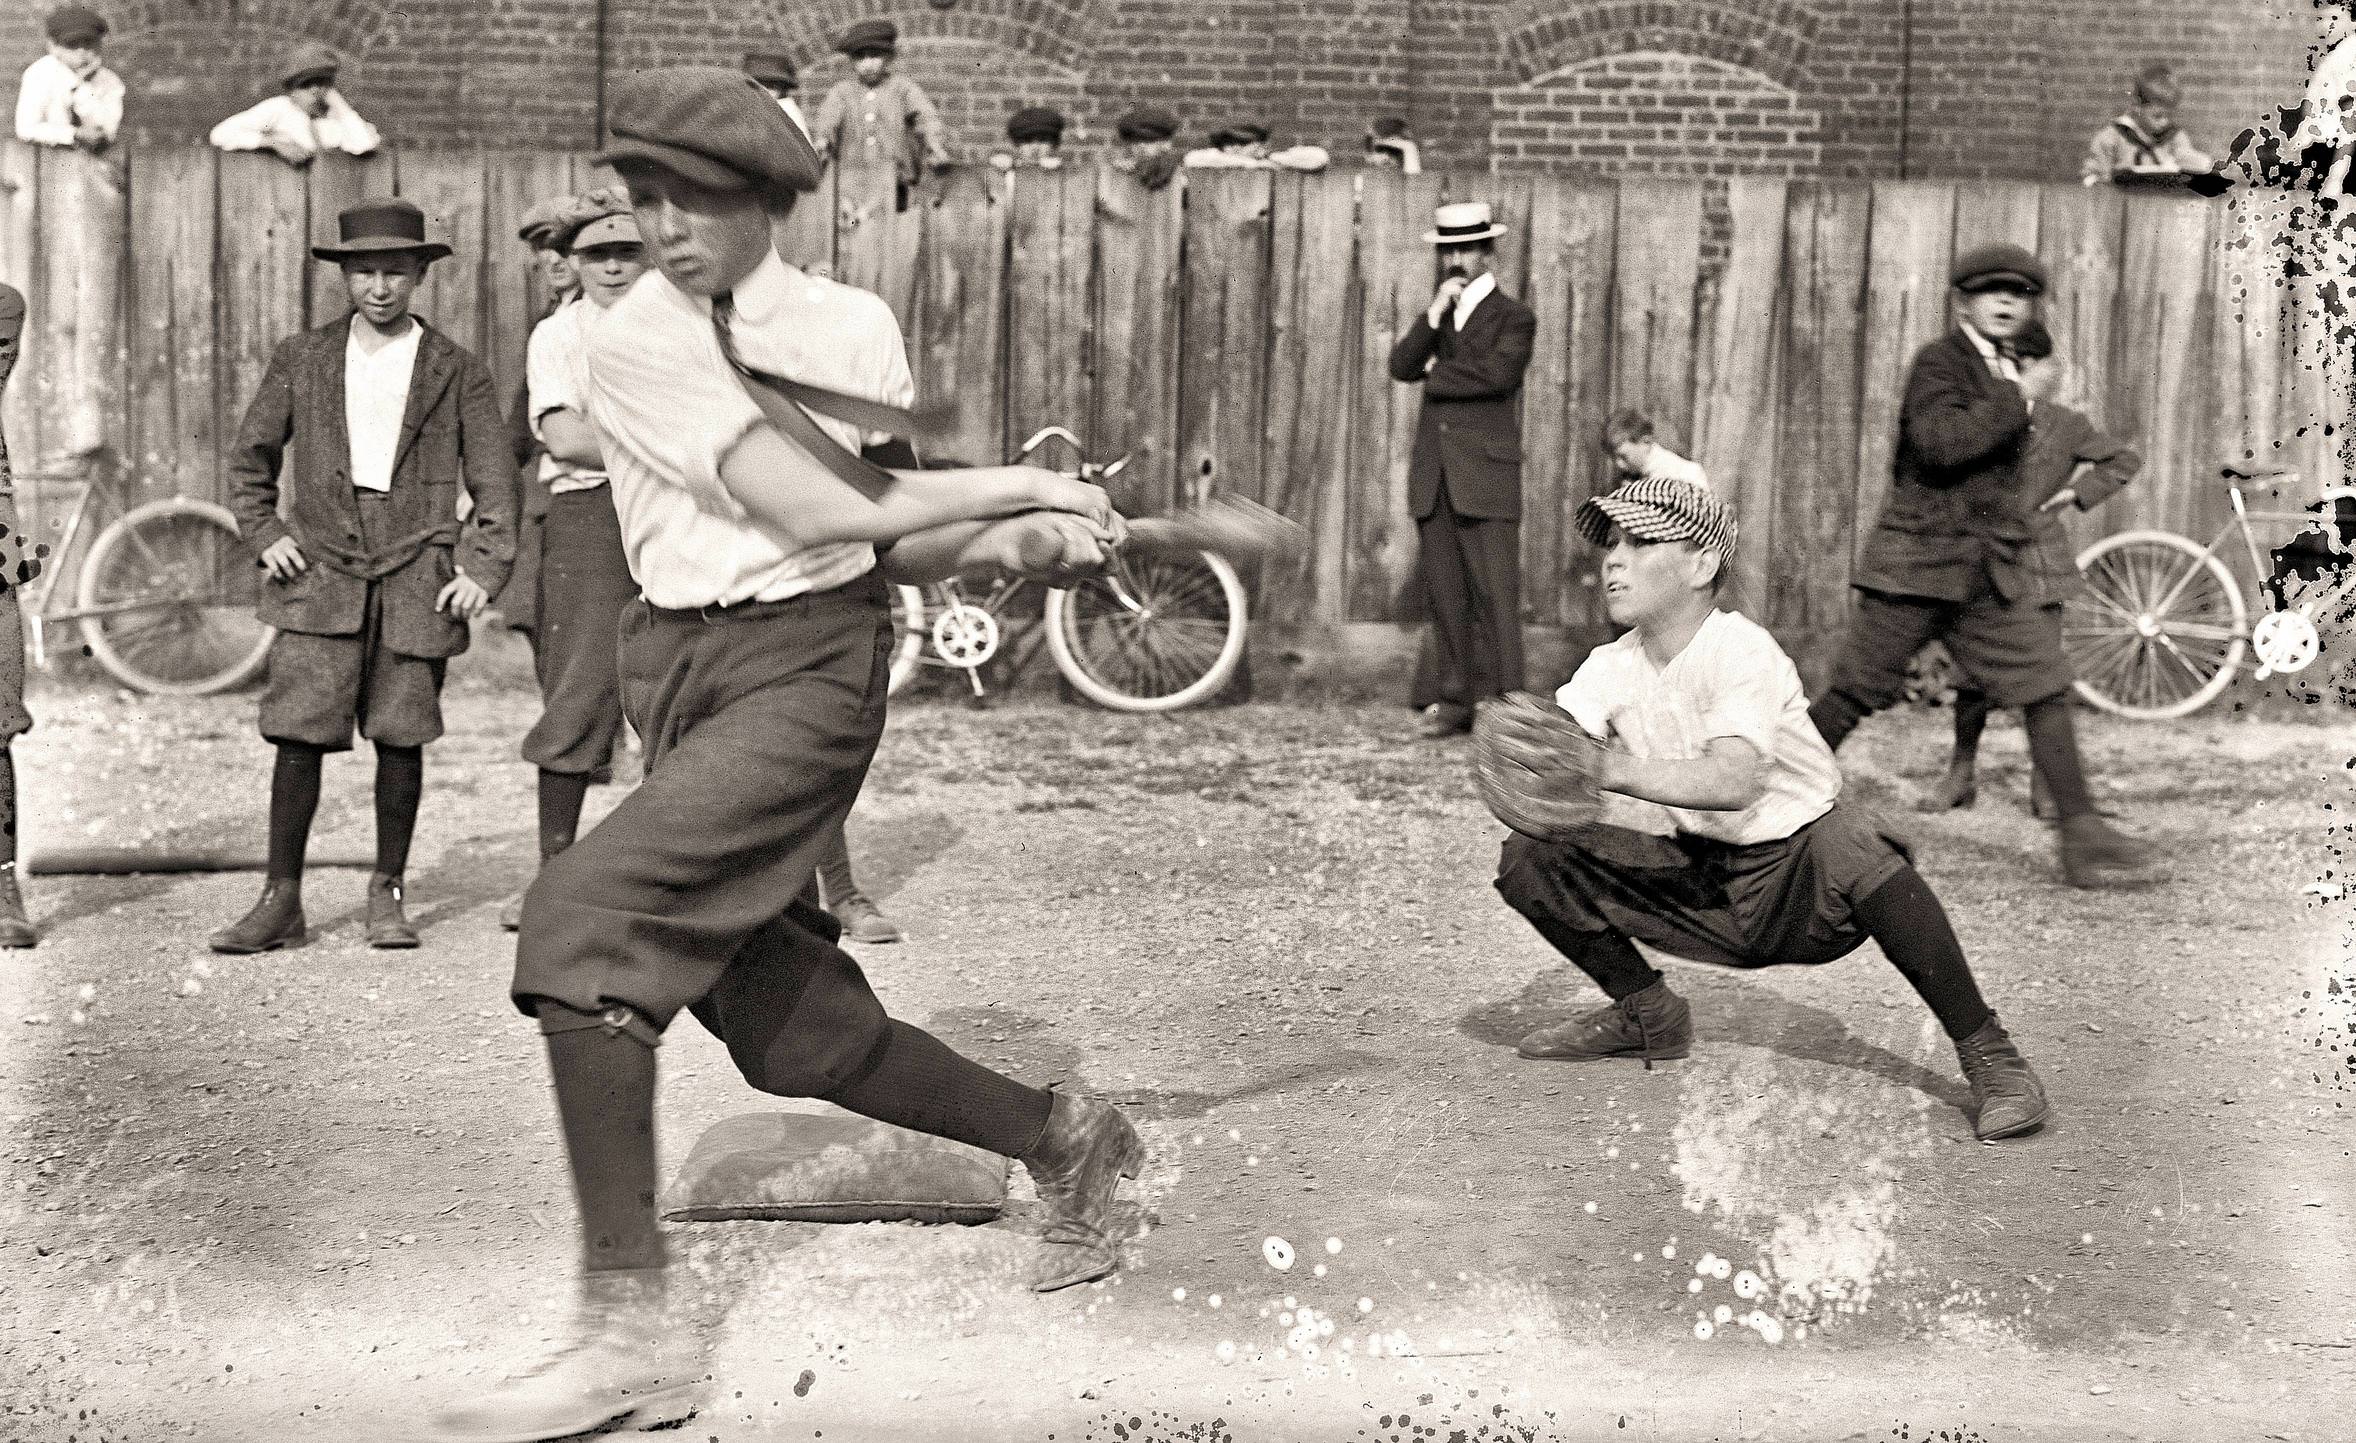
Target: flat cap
<point x="307" y="61"/>
<point x="1147" y="122"/>
<point x="1035" y="122"/>
<point x="75" y="25"/>
<point x="541" y="222"/>
<point x="1656" y="508"/>
<point x="869" y="35"/>
<point x="712" y="125"/>
<point x="1388" y="127"/>
<point x="1240" y="133"/>
<point x="1988" y="267"/>
<point x="772" y="67"/>
<point x="594" y="217"/>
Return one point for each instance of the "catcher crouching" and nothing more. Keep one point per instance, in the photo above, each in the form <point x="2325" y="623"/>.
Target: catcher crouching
<point x="1677" y="794"/>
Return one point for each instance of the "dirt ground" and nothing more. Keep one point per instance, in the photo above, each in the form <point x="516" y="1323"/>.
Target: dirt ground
<point x="307" y="1194"/>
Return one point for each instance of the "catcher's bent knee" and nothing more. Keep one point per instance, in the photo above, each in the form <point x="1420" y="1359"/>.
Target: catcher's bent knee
<point x="617" y="1019"/>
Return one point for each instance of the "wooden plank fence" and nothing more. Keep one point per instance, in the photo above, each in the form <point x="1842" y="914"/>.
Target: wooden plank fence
<point x="1232" y="333"/>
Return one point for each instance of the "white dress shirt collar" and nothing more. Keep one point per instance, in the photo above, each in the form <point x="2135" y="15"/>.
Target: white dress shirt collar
<point x="762" y="294"/>
<point x="1472" y="295"/>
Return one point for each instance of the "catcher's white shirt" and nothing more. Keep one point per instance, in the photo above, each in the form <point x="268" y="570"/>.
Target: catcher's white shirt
<point x="1731" y="680"/>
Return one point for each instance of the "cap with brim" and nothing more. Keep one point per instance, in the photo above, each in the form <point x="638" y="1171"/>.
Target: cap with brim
<point x="1239" y="135"/>
<point x="1035" y="122"/>
<point x="710" y="125"/>
<point x="74" y="25"/>
<point x="606" y="230"/>
<point x="1656" y="508"/>
<point x="772" y="68"/>
<point x="1462" y="223"/>
<point x="869" y="37"/>
<point x="542" y="221"/>
<point x="309" y="63"/>
<point x="380" y="228"/>
<point x="1148" y="123"/>
<point x="1989" y="267"/>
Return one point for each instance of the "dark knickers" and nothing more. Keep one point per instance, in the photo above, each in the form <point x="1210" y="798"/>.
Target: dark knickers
<point x="322" y="687"/>
<point x="584" y="582"/>
<point x="2013" y="653"/>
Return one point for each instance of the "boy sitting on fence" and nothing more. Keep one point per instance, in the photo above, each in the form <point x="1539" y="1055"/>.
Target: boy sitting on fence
<point x="309" y="114"/>
<point x="68" y="97"/>
<point x="2145" y="139"/>
<point x="1724" y="839"/>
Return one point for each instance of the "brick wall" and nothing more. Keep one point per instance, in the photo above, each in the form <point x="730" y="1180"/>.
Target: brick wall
<point x="1840" y="87"/>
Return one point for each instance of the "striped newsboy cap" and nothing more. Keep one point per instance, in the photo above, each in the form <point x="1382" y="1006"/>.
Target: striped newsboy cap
<point x="1655" y="508"/>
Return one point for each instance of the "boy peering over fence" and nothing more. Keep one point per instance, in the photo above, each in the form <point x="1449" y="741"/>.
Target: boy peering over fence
<point x="68" y="97"/>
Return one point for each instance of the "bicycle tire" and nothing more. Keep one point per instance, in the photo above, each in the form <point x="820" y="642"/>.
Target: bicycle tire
<point x="1110" y="655"/>
<point x="2158" y="628"/>
<point x="909" y="632"/>
<point x="201" y="636"/>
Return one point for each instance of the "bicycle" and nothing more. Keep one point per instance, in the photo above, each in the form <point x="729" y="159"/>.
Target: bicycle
<point x="1150" y="633"/>
<point x="164" y="597"/>
<point x="2160" y="626"/>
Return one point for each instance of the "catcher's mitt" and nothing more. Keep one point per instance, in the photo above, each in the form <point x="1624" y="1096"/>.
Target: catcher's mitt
<point x="1537" y="768"/>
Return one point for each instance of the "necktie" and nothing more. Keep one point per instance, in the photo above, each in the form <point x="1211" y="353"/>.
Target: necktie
<point x="777" y="399"/>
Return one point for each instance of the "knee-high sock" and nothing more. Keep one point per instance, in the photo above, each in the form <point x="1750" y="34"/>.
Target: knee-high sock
<point x="605" y="1098"/>
<point x="835" y="882"/>
<point x="1607" y="957"/>
<point x="294" y="801"/>
<point x="914" y="1080"/>
<point x="1904" y="916"/>
<point x="2053" y="750"/>
<point x="1971" y="720"/>
<point x="400" y="785"/>
<point x="561" y="796"/>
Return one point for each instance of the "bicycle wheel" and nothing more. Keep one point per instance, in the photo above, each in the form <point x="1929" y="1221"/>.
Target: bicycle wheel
<point x="909" y="632"/>
<point x="2158" y="628"/>
<point x="167" y="595"/>
<point x="1152" y="633"/>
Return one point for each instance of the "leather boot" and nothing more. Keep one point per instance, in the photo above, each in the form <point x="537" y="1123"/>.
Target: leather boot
<point x="1654" y="1024"/>
<point x="863" y="921"/>
<point x="275" y="921"/>
<point x="2096" y="854"/>
<point x="388" y="925"/>
<point x="1954" y="791"/>
<point x="624" y="1363"/>
<point x="2007" y="1098"/>
<point x="1077" y="1165"/>
<point x="15" y="931"/>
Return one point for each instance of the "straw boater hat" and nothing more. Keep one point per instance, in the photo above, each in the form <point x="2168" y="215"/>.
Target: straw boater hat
<point x="380" y="227"/>
<point x="1461" y="223"/>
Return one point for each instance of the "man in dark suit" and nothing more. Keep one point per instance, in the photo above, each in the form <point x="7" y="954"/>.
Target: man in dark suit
<point x="345" y="479"/>
<point x="1464" y="482"/>
<point x="1952" y="558"/>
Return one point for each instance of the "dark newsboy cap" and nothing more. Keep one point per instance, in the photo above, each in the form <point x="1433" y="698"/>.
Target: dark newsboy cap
<point x="869" y="35"/>
<point x="1146" y="123"/>
<point x="1240" y="133"/>
<point x="772" y="68"/>
<point x="712" y="125"/>
<point x="380" y="227"/>
<point x="308" y="61"/>
<point x="1988" y="267"/>
<point x="1035" y="122"/>
<point x="75" y="25"/>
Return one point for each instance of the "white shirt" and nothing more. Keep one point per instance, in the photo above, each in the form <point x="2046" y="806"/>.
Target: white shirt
<point x="793" y="112"/>
<point x="1475" y="292"/>
<point x="280" y="119"/>
<point x="53" y="100"/>
<point x="1731" y="680"/>
<point x="376" y="397"/>
<point x="556" y="378"/>
<point x="668" y="408"/>
<point x="1998" y="362"/>
<point x="1664" y="464"/>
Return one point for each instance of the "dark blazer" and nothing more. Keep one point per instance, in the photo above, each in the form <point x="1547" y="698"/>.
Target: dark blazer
<point x="1470" y="430"/>
<point x="293" y="455"/>
<point x="1961" y="429"/>
<point x="2030" y="557"/>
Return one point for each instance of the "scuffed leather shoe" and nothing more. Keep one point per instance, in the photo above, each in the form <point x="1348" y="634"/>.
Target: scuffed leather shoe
<point x="388" y="924"/>
<point x="2096" y="854"/>
<point x="1958" y="789"/>
<point x="275" y="921"/>
<point x="1077" y="1165"/>
<point x="2007" y="1098"/>
<point x="863" y="921"/>
<point x="1654" y="1024"/>
<point x="623" y="1365"/>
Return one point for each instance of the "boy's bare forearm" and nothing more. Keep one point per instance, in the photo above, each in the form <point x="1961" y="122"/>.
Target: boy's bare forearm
<point x="1716" y="782"/>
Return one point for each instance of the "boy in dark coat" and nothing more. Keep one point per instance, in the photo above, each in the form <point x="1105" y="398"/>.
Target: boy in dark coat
<point x="2068" y="463"/>
<point x="366" y="429"/>
<point x="1944" y="561"/>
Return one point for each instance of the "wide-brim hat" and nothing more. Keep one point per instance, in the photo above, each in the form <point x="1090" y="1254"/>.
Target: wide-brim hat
<point x="308" y="62"/>
<point x="1035" y="122"/>
<point x="377" y="228"/>
<point x="869" y="36"/>
<point x="1462" y="223"/>
<point x="1146" y="123"/>
<point x="1987" y="267"/>
<point x="714" y="126"/>
<point x="74" y="25"/>
<point x="1657" y="508"/>
<point x="772" y="68"/>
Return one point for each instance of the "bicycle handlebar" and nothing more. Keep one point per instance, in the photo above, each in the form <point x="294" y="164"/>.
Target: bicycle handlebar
<point x="1088" y="471"/>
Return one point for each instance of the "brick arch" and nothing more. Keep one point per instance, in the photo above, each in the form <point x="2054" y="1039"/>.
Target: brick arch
<point x="1656" y="113"/>
<point x="351" y="26"/>
<point x="1771" y="37"/>
<point x="1062" y="33"/>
